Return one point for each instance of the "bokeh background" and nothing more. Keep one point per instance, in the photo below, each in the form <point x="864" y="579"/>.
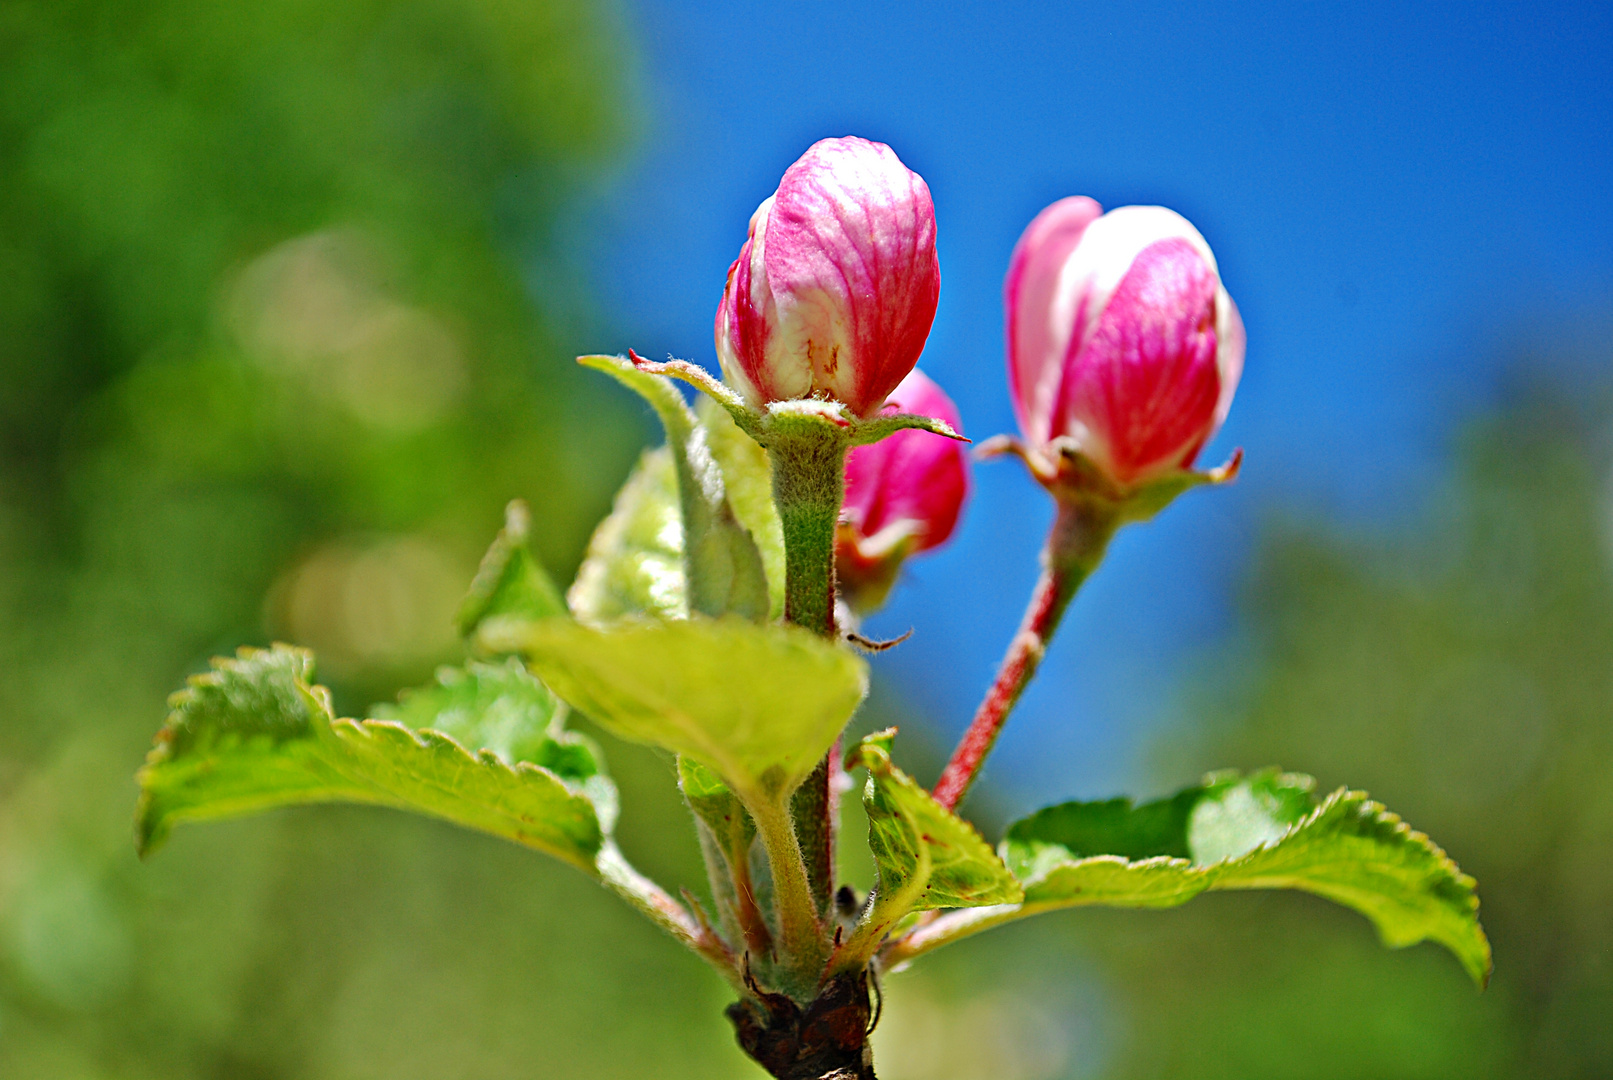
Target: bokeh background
<point x="288" y="297"/>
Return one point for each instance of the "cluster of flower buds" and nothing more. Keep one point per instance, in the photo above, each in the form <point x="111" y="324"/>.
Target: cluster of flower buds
<point x="1124" y="348"/>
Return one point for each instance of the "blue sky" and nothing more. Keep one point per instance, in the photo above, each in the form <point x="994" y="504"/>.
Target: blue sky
<point x="1391" y="191"/>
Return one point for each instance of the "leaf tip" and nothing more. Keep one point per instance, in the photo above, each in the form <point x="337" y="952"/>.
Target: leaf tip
<point x="151" y="828"/>
<point x="873" y="752"/>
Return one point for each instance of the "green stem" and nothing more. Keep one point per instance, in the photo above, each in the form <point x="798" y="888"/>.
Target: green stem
<point x="800" y="931"/>
<point x="809" y="484"/>
<point x="1075" y="546"/>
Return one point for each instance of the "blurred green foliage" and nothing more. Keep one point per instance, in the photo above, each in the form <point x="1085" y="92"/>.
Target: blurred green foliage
<point x="269" y="367"/>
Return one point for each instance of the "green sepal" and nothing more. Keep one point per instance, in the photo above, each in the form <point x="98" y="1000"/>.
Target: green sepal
<point x="1072" y="477"/>
<point x="634" y="562"/>
<point x="762" y="424"/>
<point x="1264" y="831"/>
<point x="885" y="424"/>
<point x="256" y="733"/>
<point x="925" y="856"/>
<point x="758" y="704"/>
<point x="747" y="419"/>
<point x="723" y="569"/>
<point x="1148" y="499"/>
<point x="510" y="580"/>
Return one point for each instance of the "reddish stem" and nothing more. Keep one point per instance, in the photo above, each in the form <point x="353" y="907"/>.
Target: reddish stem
<point x="1074" y="547"/>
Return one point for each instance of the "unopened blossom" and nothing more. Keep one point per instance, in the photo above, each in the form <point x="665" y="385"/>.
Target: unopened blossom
<point x="1122" y="340"/>
<point x="834" y="292"/>
<point x="903" y="495"/>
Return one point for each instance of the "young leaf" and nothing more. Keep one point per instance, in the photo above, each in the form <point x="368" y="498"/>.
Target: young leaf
<point x="722" y="567"/>
<point x="748" y="477"/>
<point x="925" y="856"/>
<point x="510" y="581"/>
<point x="503" y="709"/>
<point x="758" y="704"/>
<point x="726" y="835"/>
<point x="718" y="808"/>
<point x="498" y="707"/>
<point x="1265" y="831"/>
<point x="634" y="564"/>
<point x="255" y="733"/>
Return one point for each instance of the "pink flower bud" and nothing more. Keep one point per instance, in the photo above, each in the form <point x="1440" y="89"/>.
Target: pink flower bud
<point x="1121" y="337"/>
<point x="834" y="292"/>
<point x="903" y="494"/>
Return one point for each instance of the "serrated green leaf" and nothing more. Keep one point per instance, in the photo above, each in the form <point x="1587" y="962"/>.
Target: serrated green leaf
<point x="510" y="581"/>
<point x="925" y="856"/>
<point x="634" y="564"/>
<point x="758" y="704"/>
<point x="255" y="733"/>
<point x="748" y="477"/>
<point x="1233" y="815"/>
<point x="1223" y="817"/>
<point x="503" y="709"/>
<point x="1266" y="831"/>
<point x="499" y="707"/>
<point x="1114" y="827"/>
<point x="722" y="567"/>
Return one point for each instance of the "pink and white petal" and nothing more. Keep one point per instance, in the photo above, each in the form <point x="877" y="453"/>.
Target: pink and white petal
<point x="850" y="258"/>
<point x="1037" y="340"/>
<point x="1105" y="255"/>
<point x="1231" y="342"/>
<point x="1141" y="393"/>
<point x="911" y="476"/>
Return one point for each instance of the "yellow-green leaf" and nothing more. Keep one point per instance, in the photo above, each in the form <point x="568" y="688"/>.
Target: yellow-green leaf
<point x="758" y="704"/>
<point x="1264" y="831"/>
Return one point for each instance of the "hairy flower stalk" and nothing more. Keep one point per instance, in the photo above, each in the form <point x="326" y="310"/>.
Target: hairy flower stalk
<point x="1124" y="351"/>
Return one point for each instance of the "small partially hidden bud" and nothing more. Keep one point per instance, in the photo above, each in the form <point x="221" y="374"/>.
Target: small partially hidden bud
<point x="834" y="292"/>
<point x="1122" y="343"/>
<point x="903" y="496"/>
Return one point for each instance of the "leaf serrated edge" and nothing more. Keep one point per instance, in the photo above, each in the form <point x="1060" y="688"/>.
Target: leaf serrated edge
<point x="1443" y="870"/>
<point x="148" y="834"/>
<point x="965" y="922"/>
<point x="879" y="764"/>
<point x="883" y="914"/>
<point x="431" y="740"/>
